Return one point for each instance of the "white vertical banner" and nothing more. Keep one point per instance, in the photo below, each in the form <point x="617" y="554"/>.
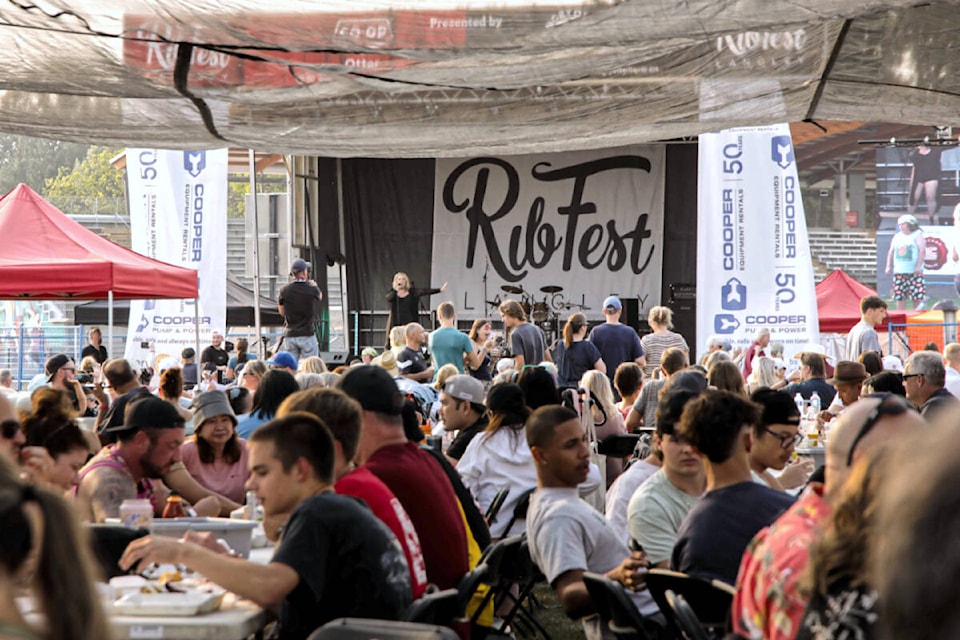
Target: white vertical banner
<point x="753" y="257"/>
<point x="178" y="214"/>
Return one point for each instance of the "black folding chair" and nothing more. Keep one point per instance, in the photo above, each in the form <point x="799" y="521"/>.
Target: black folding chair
<point x="686" y="619"/>
<point x="520" y="509"/>
<point x="364" y="629"/>
<point x="435" y="607"/>
<point x="710" y="600"/>
<point x="469" y="584"/>
<point x="618" y="445"/>
<point x="511" y="568"/>
<point x="615" y="608"/>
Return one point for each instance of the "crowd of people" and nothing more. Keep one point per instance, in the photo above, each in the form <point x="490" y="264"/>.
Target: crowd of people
<point x="398" y="470"/>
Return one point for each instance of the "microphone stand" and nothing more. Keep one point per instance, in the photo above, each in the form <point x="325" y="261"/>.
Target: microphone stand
<point x="486" y="267"/>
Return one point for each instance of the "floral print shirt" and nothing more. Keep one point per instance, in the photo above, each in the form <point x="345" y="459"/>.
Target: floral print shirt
<point x="768" y="604"/>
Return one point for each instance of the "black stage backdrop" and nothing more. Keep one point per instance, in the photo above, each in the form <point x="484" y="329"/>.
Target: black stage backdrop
<point x="388" y="218"/>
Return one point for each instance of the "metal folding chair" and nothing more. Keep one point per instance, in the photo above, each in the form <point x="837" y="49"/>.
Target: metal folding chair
<point x="615" y="608"/>
<point x="710" y="600"/>
<point x="364" y="629"/>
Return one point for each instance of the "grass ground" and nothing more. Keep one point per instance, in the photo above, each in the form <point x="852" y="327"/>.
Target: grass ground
<point x="551" y="616"/>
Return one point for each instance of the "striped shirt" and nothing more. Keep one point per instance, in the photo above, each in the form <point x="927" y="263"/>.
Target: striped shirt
<point x="655" y="344"/>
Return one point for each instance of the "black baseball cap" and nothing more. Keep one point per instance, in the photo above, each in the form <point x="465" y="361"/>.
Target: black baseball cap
<point x="373" y="388"/>
<point x="778" y="407"/>
<point x="149" y="412"/>
<point x="55" y="363"/>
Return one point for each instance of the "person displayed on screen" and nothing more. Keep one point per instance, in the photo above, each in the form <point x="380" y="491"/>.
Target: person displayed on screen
<point x="905" y="262"/>
<point x="924" y="179"/>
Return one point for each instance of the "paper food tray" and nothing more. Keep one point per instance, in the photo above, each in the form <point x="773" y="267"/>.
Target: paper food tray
<point x="168" y="604"/>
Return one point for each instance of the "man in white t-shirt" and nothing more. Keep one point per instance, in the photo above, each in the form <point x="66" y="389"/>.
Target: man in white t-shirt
<point x="659" y="506"/>
<point x="951" y="361"/>
<point x="567" y="536"/>
<point x="863" y="336"/>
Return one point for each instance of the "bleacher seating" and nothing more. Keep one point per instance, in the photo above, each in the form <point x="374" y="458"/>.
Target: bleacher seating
<point x="855" y="252"/>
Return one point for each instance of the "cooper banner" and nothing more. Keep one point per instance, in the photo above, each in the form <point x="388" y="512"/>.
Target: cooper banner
<point x="753" y="258"/>
<point x="558" y="232"/>
<point x="178" y="214"/>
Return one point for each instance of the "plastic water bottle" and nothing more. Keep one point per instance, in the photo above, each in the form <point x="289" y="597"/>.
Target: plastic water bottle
<point x="815" y="404"/>
<point x="798" y="400"/>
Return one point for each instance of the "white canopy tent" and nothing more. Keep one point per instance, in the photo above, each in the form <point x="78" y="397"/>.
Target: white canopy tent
<point x="448" y="78"/>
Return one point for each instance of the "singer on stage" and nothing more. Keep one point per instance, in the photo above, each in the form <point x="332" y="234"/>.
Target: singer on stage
<point x="404" y="301"/>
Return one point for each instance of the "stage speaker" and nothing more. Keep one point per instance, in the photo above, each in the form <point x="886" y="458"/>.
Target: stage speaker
<point x="630" y="315"/>
<point x="334" y="359"/>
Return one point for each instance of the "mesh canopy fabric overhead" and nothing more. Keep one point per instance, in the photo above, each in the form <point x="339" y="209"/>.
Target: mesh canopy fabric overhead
<point x="439" y="78"/>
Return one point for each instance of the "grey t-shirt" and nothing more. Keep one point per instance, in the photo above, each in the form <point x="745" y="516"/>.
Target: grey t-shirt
<point x="567" y="534"/>
<point x="527" y="340"/>
<point x="646" y="403"/>
<point x="862" y="337"/>
<point x="655" y="513"/>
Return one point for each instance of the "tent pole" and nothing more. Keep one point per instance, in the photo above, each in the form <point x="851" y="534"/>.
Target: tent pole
<point x="110" y="319"/>
<point x="256" y="251"/>
<point x="196" y="334"/>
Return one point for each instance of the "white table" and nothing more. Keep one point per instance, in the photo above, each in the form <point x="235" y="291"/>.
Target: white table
<point x="235" y="620"/>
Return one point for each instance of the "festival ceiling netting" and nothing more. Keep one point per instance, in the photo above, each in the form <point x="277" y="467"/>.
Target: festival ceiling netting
<point x="438" y="78"/>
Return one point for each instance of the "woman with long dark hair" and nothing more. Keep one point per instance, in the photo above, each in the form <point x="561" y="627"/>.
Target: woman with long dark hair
<point x="576" y="355"/>
<point x="51" y="425"/>
<point x="42" y="548"/>
<point x="500" y="457"/>
<point x="539" y="387"/>
<point x="482" y="343"/>
<point x="216" y="456"/>
<point x="273" y="389"/>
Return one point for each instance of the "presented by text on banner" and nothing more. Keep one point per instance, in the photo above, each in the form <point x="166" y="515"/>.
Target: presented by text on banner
<point x="568" y="228"/>
<point x="178" y="214"/>
<point x="753" y="257"/>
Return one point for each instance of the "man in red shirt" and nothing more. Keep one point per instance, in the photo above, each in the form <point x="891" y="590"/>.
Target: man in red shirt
<point x="412" y="474"/>
<point x="768" y="603"/>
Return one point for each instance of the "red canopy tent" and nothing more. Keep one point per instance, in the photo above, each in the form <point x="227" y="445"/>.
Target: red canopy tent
<point x="47" y="255"/>
<point x="838" y="304"/>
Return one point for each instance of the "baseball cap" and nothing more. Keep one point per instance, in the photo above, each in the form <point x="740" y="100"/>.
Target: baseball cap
<point x="211" y="404"/>
<point x="373" y="388"/>
<point x="299" y="265"/>
<point x="148" y="412"/>
<point x="909" y="219"/>
<point x="284" y="359"/>
<point x="369" y="351"/>
<point x="55" y="363"/>
<point x="778" y="407"/>
<point x="464" y="388"/>
<point x="612" y="303"/>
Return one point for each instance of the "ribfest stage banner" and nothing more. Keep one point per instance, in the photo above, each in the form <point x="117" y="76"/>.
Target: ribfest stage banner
<point x="753" y="257"/>
<point x="178" y="214"/>
<point x="591" y="221"/>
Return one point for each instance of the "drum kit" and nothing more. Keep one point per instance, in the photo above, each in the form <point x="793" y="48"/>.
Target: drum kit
<point x="544" y="312"/>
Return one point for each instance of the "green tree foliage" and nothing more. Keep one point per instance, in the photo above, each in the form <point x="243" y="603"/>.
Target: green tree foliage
<point x="239" y="186"/>
<point x="33" y="161"/>
<point x="92" y="186"/>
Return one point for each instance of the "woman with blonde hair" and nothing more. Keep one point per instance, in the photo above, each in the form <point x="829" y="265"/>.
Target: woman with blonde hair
<point x="726" y="376"/>
<point x="575" y="355"/>
<point x="404" y="301"/>
<point x="607" y="418"/>
<point x="662" y="338"/>
<point x="43" y="549"/>
<point x="397" y="337"/>
<point x="313" y="364"/>
<point x="765" y="373"/>
<point x="251" y="374"/>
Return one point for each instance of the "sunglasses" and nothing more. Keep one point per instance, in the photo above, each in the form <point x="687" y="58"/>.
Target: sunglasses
<point x="786" y="440"/>
<point x="911" y="375"/>
<point x="890" y="405"/>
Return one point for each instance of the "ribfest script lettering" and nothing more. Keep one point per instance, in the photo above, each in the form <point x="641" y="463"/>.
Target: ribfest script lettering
<point x="535" y="243"/>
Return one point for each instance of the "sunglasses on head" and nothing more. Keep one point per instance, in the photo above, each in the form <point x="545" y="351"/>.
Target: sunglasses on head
<point x="890" y="405"/>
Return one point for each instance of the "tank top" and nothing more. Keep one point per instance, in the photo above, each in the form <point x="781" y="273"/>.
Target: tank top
<point x="111" y="458"/>
<point x="905" y="252"/>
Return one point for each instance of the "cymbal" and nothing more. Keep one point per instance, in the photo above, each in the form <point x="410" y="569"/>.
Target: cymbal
<point x="509" y="288"/>
<point x="551" y="288"/>
<point x="492" y="303"/>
